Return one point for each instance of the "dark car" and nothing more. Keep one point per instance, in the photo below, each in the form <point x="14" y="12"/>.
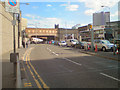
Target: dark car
<point x="79" y="45"/>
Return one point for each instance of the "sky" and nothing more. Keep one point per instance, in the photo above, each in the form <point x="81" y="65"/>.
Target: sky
<point x="67" y="13"/>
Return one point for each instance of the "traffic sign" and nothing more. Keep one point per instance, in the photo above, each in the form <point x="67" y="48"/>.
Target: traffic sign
<point x="12" y="6"/>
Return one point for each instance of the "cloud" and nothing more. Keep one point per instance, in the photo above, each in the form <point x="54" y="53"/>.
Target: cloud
<point x="63" y="5"/>
<point x="30" y="16"/>
<point x="95" y="5"/>
<point x="42" y="22"/>
<point x="89" y="12"/>
<point x="72" y="7"/>
<point x="35" y="7"/>
<point x="48" y="5"/>
<point x="69" y="7"/>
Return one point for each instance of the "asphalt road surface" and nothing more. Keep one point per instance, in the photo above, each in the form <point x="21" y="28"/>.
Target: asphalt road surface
<point x="50" y="66"/>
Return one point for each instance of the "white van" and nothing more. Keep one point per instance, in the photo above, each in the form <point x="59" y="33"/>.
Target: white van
<point x="71" y="42"/>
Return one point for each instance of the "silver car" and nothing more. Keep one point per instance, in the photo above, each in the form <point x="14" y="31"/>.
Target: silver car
<point x="104" y="45"/>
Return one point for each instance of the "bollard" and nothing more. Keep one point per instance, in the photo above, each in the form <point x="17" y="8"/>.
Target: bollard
<point x="96" y="48"/>
<point x="117" y="52"/>
<point x="13" y="59"/>
<point x="88" y="47"/>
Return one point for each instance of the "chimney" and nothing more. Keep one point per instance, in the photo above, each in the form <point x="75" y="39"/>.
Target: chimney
<point x="56" y="26"/>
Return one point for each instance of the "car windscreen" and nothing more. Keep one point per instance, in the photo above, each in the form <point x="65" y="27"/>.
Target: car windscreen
<point x="62" y="41"/>
<point x="106" y="42"/>
<point x="75" y="41"/>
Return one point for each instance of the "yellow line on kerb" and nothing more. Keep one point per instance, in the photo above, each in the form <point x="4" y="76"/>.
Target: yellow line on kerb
<point x="44" y="85"/>
<point x="39" y="86"/>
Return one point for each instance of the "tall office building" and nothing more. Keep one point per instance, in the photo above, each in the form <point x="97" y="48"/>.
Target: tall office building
<point x="101" y="18"/>
<point x="119" y="11"/>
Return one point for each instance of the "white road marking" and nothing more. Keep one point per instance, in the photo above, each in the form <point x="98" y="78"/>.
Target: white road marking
<point x="49" y="49"/>
<point x="109" y="76"/>
<point x="52" y="52"/>
<point x="55" y="53"/>
<point x="72" y="61"/>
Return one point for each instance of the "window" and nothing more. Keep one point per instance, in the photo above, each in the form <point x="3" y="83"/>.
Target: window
<point x="33" y="31"/>
<point x="28" y="31"/>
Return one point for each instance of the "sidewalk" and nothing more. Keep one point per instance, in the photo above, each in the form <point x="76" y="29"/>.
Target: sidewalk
<point x="108" y="55"/>
<point x="8" y="79"/>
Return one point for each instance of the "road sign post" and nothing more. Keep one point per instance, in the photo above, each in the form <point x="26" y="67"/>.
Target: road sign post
<point x="12" y="6"/>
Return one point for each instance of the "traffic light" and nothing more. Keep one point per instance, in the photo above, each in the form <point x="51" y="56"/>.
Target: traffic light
<point x="90" y="26"/>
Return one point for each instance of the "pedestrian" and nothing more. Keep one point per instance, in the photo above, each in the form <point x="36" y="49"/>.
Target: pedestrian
<point x="23" y="43"/>
<point x="27" y="44"/>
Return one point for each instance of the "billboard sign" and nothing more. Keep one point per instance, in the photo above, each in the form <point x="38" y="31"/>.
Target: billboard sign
<point x="12" y="6"/>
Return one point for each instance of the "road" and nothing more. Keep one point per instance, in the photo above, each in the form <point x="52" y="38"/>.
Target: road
<point x="49" y="66"/>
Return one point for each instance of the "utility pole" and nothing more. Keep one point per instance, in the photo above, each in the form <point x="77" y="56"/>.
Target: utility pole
<point x="66" y="29"/>
<point x="14" y="41"/>
<point x="18" y="30"/>
<point x="92" y="38"/>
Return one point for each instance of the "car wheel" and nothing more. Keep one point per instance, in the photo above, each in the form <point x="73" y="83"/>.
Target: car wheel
<point x="103" y="49"/>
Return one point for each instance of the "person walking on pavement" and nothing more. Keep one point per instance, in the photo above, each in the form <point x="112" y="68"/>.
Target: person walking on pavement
<point x="27" y="44"/>
<point x="23" y="43"/>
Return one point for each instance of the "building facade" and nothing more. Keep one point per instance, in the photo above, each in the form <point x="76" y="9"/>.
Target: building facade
<point x="110" y="31"/>
<point x="64" y="33"/>
<point x="114" y="29"/>
<point x="6" y="30"/>
<point x="85" y="32"/>
<point x="56" y="33"/>
<point x="101" y="18"/>
<point x="44" y="33"/>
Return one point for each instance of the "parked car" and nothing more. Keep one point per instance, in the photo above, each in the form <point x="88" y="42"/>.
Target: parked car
<point x="86" y="45"/>
<point x="50" y="42"/>
<point x="71" y="42"/>
<point x="56" y="42"/>
<point x="36" y="40"/>
<point x="103" y="45"/>
<point x="53" y="42"/>
<point x="62" y="43"/>
<point x="79" y="45"/>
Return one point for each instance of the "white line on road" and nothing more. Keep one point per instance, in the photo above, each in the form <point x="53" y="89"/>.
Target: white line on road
<point x="52" y="52"/>
<point x="55" y="53"/>
<point x="49" y="49"/>
<point x="109" y="76"/>
<point x="72" y="61"/>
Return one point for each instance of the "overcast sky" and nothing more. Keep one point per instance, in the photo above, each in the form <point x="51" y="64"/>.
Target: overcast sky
<point x="66" y="13"/>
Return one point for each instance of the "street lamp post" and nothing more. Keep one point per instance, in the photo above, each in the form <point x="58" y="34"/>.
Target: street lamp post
<point x="113" y="31"/>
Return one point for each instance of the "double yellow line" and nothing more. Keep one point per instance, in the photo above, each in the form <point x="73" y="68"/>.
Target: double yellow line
<point x="31" y="67"/>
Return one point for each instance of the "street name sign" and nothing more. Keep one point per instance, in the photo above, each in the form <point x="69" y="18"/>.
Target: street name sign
<point x="12" y="6"/>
